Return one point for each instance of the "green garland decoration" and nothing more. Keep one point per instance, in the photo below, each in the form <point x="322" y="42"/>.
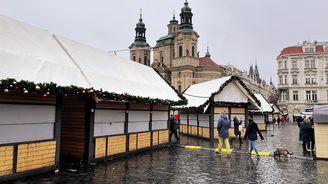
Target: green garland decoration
<point x="11" y="86"/>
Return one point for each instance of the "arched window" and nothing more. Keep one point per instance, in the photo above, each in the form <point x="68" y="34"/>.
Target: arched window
<point x="180" y="51"/>
<point x="134" y="58"/>
<point x="174" y="32"/>
<point x="193" y="51"/>
<point x="145" y="60"/>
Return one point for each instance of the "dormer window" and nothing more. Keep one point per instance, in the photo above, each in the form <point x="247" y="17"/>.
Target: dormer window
<point x="309" y="49"/>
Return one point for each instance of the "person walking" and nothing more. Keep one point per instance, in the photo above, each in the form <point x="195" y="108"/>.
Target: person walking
<point x="305" y="128"/>
<point x="236" y="125"/>
<point x="251" y="133"/>
<point x="223" y="134"/>
<point x="300" y="134"/>
<point x="278" y="120"/>
<point x="173" y="128"/>
<point x="282" y="120"/>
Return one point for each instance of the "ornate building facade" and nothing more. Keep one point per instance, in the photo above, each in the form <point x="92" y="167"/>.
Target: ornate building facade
<point x="303" y="77"/>
<point x="175" y="55"/>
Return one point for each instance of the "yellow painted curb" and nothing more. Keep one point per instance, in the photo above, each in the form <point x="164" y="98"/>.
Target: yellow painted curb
<point x="193" y="147"/>
<point x="223" y="150"/>
<point x="262" y="153"/>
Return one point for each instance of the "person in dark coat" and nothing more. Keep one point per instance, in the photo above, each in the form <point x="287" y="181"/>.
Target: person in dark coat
<point x="173" y="128"/>
<point x="223" y="132"/>
<point x="278" y="120"/>
<point x="299" y="120"/>
<point x="305" y="128"/>
<point x="251" y="133"/>
<point x="236" y="124"/>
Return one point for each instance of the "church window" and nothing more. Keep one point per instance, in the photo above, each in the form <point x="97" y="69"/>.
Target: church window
<point x="179" y="88"/>
<point x="173" y="29"/>
<point x="134" y="58"/>
<point x="145" y="60"/>
<point x="193" y="51"/>
<point x="180" y="51"/>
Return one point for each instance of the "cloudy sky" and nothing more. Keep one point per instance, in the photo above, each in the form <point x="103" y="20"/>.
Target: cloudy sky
<point x="237" y="31"/>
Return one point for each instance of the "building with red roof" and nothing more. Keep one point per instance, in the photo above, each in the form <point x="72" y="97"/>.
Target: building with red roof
<point x="302" y="77"/>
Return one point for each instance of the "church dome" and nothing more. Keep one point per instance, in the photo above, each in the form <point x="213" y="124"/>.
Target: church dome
<point x="140" y="24"/>
<point x="185" y="8"/>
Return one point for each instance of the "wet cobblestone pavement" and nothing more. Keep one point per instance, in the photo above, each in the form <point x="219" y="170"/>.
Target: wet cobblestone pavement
<point x="178" y="165"/>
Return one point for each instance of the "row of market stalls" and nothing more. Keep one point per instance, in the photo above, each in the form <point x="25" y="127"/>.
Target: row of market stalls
<point x="61" y="100"/>
<point x="229" y="95"/>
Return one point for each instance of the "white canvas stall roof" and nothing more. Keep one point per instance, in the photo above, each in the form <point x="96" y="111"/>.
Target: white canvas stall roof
<point x="112" y="73"/>
<point x="265" y="106"/>
<point x="30" y="53"/>
<point x="276" y="109"/>
<point x="198" y="94"/>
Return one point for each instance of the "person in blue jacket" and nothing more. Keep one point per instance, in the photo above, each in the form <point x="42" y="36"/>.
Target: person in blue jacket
<point x="251" y="133"/>
<point x="223" y="132"/>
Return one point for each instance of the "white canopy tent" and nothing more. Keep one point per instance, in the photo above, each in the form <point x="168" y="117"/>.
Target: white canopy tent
<point x="265" y="106"/>
<point x="114" y="74"/>
<point x="30" y="53"/>
<point x="234" y="92"/>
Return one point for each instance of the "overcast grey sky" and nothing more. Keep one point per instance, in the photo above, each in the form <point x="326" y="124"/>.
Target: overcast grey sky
<point x="237" y="31"/>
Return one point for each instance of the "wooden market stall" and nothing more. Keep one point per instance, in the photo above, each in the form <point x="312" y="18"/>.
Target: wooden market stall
<point x="30" y="109"/>
<point x="62" y="101"/>
<point x="261" y="116"/>
<point x="207" y="100"/>
<point x="130" y="111"/>
<point x="320" y="119"/>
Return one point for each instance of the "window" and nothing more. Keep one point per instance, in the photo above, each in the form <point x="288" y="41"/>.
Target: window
<point x="307" y="64"/>
<point x="311" y="95"/>
<point x="308" y="95"/>
<point x="294" y="64"/>
<point x="193" y="51"/>
<point x="313" y="63"/>
<point x="314" y="95"/>
<point x="313" y="79"/>
<point x="280" y="79"/>
<point x="280" y="65"/>
<point x="179" y="74"/>
<point x="283" y="96"/>
<point x="294" y="79"/>
<point x="134" y="58"/>
<point x="145" y="60"/>
<point x="180" y="51"/>
<point x="285" y="64"/>
<point x="295" y="95"/>
<point x="309" y="49"/>
<point x="286" y="79"/>
<point x="307" y="79"/>
<point x="179" y="88"/>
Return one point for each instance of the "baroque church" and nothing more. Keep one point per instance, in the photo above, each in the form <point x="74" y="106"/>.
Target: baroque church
<point x="175" y="55"/>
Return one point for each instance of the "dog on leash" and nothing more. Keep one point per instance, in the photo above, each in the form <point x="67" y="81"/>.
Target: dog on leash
<point x="281" y="152"/>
